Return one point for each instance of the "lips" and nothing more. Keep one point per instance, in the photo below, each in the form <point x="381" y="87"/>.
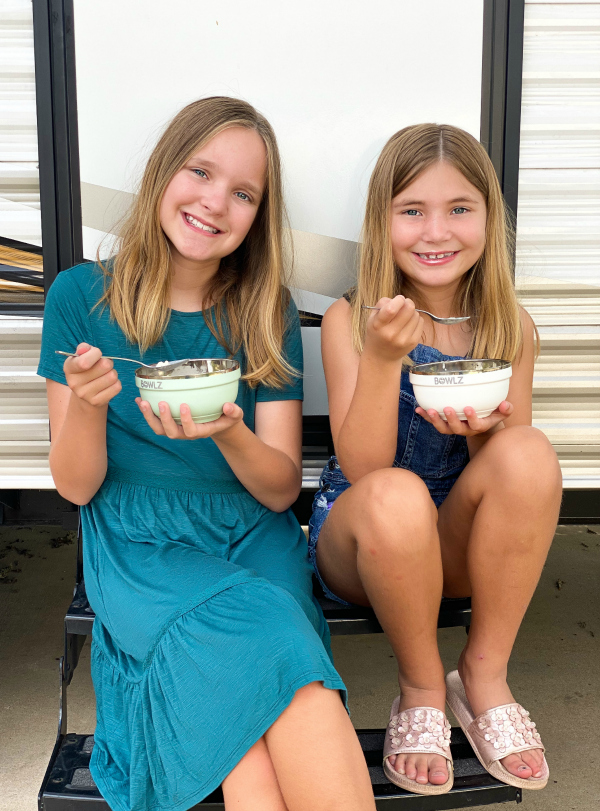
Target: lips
<point x="435" y="257"/>
<point x="200" y="225"/>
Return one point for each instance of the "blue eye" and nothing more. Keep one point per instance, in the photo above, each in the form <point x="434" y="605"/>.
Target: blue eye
<point x="199" y="172"/>
<point x="459" y="209"/>
<point x="412" y="212"/>
<point x="242" y="196"/>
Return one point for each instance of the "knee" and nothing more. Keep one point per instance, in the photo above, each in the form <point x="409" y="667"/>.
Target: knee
<point x="396" y="510"/>
<point x="523" y="459"/>
<point x="395" y="494"/>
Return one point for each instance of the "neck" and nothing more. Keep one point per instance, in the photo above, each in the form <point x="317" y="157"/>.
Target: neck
<point x="190" y="282"/>
<point x="437" y="300"/>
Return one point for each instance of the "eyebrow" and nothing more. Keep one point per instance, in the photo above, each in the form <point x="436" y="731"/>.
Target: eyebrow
<point x="210" y="165"/>
<point x="421" y="203"/>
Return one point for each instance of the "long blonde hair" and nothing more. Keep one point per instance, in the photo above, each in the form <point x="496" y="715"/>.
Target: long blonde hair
<point x="486" y="291"/>
<point x="249" y="291"/>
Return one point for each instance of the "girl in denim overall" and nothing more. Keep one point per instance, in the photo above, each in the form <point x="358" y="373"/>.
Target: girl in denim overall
<point x="413" y="507"/>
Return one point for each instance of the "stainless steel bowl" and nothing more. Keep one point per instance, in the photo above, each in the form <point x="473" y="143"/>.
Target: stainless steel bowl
<point x="464" y="367"/>
<point x="197" y="367"/>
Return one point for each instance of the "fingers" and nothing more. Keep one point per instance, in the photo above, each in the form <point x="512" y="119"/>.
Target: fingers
<point x="471" y="426"/>
<point x="433" y="418"/>
<point x="400" y="308"/>
<point x="170" y="427"/>
<point x="395" y="329"/>
<point x="99" y="391"/>
<point x="84" y="361"/>
<point x="232" y="414"/>
<point x="457" y="426"/>
<point x="165" y="425"/>
<point x="152" y="420"/>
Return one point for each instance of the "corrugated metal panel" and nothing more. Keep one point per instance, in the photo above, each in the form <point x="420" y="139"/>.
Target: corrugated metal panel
<point x="24" y="441"/>
<point x="558" y="239"/>
<point x="19" y="184"/>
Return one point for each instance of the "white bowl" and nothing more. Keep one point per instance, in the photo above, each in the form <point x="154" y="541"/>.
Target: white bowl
<point x="482" y="384"/>
<point x="204" y="384"/>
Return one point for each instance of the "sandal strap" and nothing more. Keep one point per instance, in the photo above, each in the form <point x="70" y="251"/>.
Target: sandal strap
<point x="420" y="729"/>
<point x="502" y="731"/>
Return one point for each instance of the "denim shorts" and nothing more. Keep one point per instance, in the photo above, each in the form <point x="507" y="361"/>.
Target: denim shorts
<point x="332" y="484"/>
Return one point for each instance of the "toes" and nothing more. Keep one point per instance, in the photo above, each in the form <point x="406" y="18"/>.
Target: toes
<point x="422" y="770"/>
<point x="438" y="771"/>
<point x="411" y="768"/>
<point x="515" y="765"/>
<point x="534" y="758"/>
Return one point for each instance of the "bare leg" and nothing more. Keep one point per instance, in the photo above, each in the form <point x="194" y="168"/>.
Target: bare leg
<point x="316" y="755"/>
<point x="253" y="784"/>
<point x="379" y="546"/>
<point x="496" y="527"/>
<point x="310" y="758"/>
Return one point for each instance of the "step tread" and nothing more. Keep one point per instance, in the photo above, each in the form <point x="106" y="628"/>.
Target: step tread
<point x="69" y="779"/>
<point x="342" y="620"/>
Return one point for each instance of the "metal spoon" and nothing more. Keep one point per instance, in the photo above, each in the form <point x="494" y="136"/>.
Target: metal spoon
<point x="431" y="315"/>
<point x="172" y="364"/>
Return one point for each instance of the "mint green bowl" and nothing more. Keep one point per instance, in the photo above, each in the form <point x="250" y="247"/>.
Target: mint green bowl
<point x="204" y="384"/>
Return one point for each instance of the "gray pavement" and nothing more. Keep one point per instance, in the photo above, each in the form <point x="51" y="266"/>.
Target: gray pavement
<point x="554" y="671"/>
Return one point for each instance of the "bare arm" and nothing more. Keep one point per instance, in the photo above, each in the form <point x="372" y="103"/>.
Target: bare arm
<point x="363" y="390"/>
<point x="78" y="424"/>
<point x="269" y="462"/>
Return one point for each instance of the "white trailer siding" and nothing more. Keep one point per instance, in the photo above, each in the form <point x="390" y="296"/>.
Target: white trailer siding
<point x="558" y="238"/>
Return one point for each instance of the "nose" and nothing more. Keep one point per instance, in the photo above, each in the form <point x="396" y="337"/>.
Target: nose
<point x="214" y="199"/>
<point x="436" y="229"/>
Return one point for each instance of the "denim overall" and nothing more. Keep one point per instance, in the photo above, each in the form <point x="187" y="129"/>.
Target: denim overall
<point x="437" y="459"/>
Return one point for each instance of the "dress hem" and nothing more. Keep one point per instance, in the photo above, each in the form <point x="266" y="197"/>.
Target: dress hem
<point x="211" y="785"/>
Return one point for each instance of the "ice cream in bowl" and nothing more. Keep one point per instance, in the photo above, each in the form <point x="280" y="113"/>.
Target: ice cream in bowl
<point x="482" y="384"/>
<point x="204" y="384"/>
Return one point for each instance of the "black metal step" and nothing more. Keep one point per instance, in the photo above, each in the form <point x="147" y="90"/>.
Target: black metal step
<point x="69" y="785"/>
<point x="341" y="619"/>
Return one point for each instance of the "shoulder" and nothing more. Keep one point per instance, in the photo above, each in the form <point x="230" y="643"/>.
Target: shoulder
<point x="86" y="279"/>
<point x="339" y="313"/>
<point x="526" y="319"/>
<point x="527" y="324"/>
<point x="289" y="308"/>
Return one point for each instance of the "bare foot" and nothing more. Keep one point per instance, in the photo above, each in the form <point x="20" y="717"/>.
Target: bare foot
<point x="485" y="692"/>
<point x="419" y="767"/>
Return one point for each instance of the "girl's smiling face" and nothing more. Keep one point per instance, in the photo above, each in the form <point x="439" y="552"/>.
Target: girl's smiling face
<point x="438" y="228"/>
<point x="209" y="205"/>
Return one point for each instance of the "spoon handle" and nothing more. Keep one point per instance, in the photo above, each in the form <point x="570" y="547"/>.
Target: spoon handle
<point x="437" y="318"/>
<point x="110" y="357"/>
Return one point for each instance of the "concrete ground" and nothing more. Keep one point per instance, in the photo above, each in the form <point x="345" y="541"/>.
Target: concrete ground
<point x="555" y="668"/>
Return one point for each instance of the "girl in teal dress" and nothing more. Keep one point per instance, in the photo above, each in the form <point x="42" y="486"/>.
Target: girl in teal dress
<point x="211" y="660"/>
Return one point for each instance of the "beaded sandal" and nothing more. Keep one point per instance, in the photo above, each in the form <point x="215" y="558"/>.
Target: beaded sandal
<point x="422" y="730"/>
<point x="501" y="731"/>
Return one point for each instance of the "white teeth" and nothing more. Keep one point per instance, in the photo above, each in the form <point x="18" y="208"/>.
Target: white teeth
<point x="436" y="255"/>
<point x="195" y="222"/>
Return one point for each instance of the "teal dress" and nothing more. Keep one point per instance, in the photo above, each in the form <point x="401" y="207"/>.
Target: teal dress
<point x="206" y="624"/>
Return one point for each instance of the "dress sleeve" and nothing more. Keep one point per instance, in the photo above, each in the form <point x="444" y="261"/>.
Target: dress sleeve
<point x="66" y="324"/>
<point x="292" y="352"/>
